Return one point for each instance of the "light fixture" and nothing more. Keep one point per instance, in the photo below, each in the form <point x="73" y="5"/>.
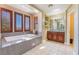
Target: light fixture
<point x="50" y="5"/>
<point x="57" y="10"/>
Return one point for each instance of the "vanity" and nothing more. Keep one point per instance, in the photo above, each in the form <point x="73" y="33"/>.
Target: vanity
<point x="57" y="29"/>
<point x="56" y="36"/>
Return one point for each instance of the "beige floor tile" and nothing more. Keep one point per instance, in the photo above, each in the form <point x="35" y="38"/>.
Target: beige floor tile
<point x="50" y="48"/>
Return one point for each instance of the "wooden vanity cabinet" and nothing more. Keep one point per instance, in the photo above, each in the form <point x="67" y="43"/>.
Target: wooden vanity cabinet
<point x="56" y="36"/>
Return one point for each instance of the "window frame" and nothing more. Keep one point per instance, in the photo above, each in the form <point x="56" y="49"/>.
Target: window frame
<point x="35" y="21"/>
<point x="11" y="19"/>
<point x="15" y="22"/>
<point x="25" y="22"/>
<point x="0" y="20"/>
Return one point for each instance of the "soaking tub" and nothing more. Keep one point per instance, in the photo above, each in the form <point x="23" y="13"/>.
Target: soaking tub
<point x="16" y="45"/>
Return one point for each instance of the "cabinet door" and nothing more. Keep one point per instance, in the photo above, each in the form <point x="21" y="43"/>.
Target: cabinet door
<point x="61" y="37"/>
<point x="49" y="36"/>
<point x="54" y="36"/>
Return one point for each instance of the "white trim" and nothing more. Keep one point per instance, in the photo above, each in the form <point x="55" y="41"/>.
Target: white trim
<point x="68" y="26"/>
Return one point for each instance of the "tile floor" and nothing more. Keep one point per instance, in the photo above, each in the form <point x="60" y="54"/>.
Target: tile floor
<point x="50" y="48"/>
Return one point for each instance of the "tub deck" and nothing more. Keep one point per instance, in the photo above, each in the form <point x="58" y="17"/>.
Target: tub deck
<point x="18" y="47"/>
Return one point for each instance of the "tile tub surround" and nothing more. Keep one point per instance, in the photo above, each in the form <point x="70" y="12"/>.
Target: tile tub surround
<point x="13" y="48"/>
<point x="50" y="48"/>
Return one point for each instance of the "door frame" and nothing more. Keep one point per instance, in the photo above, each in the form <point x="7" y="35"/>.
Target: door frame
<point x="68" y="25"/>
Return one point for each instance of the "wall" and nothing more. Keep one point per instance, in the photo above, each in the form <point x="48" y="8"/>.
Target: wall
<point x="46" y="26"/>
<point x="20" y="11"/>
<point x="40" y="24"/>
<point x="44" y="31"/>
<point x="75" y="10"/>
<point x="76" y="29"/>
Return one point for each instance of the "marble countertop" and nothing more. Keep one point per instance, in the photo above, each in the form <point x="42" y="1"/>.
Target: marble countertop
<point x="57" y="31"/>
<point x="53" y="30"/>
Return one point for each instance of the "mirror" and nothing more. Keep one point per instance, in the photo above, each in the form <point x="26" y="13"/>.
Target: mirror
<point x="57" y="25"/>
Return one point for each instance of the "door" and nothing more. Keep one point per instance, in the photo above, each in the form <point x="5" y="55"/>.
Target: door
<point x="71" y="28"/>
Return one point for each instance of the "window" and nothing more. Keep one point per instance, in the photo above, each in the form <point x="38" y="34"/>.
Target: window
<point x="18" y="22"/>
<point x="6" y="20"/>
<point x="27" y="23"/>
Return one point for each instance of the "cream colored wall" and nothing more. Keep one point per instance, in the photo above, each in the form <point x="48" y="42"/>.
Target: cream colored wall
<point x="40" y="22"/>
<point x="76" y="29"/>
<point x="40" y="19"/>
<point x="73" y="9"/>
<point x="44" y="34"/>
<point x="19" y="11"/>
<point x="43" y="30"/>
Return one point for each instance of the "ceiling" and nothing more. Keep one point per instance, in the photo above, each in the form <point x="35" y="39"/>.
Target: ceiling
<point x="35" y="8"/>
<point x="54" y="9"/>
<point x="25" y="7"/>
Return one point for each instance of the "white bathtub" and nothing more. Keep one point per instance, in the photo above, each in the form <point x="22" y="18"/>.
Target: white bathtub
<point x="24" y="37"/>
<point x="18" y="39"/>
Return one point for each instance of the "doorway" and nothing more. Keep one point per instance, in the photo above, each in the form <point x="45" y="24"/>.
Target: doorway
<point x="71" y="29"/>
